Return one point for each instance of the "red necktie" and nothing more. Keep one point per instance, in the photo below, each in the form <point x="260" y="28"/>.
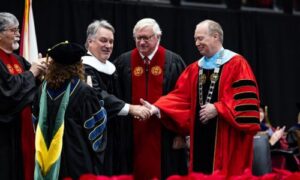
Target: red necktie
<point x="146" y="60"/>
<point x="147" y="63"/>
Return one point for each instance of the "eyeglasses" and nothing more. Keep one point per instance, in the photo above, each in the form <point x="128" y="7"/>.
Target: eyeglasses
<point x="145" y="38"/>
<point x="14" y="30"/>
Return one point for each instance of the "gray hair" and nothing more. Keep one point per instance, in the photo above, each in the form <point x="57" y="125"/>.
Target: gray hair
<point x="93" y="28"/>
<point x="214" y="27"/>
<point x="7" y="20"/>
<point x="147" y="22"/>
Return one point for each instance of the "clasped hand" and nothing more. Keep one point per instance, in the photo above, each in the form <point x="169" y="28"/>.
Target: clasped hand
<point x="146" y="110"/>
<point x="139" y="112"/>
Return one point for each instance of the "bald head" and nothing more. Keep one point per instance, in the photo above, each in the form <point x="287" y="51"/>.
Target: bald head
<point x="208" y="37"/>
<point x="213" y="28"/>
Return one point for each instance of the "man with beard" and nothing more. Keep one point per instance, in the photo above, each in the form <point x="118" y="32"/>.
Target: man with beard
<point x="100" y="74"/>
<point x="17" y="89"/>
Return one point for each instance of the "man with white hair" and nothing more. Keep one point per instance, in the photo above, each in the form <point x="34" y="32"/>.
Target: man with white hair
<point x="148" y="150"/>
<point x="17" y="89"/>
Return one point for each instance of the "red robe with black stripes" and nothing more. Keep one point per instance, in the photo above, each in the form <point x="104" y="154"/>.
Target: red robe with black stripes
<point x="237" y="120"/>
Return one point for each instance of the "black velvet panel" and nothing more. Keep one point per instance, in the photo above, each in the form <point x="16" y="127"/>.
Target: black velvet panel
<point x="205" y="134"/>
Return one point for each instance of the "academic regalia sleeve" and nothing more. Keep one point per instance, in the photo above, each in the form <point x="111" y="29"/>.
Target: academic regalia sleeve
<point x="173" y="68"/>
<point x="238" y="97"/>
<point x="111" y="102"/>
<point x="89" y="71"/>
<point x="16" y="91"/>
<point x="123" y="73"/>
<point x="36" y="106"/>
<point x="94" y="121"/>
<point x="24" y="62"/>
<point x="177" y="104"/>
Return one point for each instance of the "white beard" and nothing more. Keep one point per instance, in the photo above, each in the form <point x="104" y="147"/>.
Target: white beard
<point x="15" y="45"/>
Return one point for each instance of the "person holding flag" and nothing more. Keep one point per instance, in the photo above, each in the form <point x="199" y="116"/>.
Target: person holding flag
<point x="17" y="89"/>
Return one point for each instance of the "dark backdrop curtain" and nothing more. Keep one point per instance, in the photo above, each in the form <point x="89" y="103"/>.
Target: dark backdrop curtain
<point x="269" y="41"/>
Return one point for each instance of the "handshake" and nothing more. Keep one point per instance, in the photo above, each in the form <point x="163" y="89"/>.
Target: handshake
<point x="143" y="111"/>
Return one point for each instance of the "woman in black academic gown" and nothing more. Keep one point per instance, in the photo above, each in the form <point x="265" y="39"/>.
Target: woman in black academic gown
<point x="71" y="128"/>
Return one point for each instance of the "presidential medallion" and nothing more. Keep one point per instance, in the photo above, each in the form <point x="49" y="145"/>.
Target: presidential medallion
<point x="214" y="77"/>
<point x="202" y="78"/>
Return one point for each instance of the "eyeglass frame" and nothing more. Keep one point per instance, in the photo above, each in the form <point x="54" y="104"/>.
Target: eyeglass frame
<point x="14" y="30"/>
<point x="145" y="38"/>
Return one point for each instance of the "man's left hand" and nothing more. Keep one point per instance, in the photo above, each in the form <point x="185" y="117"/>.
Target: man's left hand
<point x="208" y="111"/>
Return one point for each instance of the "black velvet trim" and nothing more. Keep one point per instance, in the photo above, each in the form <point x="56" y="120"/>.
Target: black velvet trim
<point x="246" y="107"/>
<point x="244" y="82"/>
<point x="245" y="95"/>
<point x="204" y="135"/>
<point x="247" y="120"/>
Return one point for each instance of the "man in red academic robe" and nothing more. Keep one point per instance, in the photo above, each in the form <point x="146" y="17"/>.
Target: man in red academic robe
<point x="17" y="90"/>
<point x="216" y="100"/>
<point x="147" y="149"/>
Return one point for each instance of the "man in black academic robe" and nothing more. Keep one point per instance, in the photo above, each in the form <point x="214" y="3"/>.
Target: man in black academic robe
<point x="17" y="89"/>
<point x="78" y="154"/>
<point x="147" y="149"/>
<point x="101" y="75"/>
<point x="71" y="133"/>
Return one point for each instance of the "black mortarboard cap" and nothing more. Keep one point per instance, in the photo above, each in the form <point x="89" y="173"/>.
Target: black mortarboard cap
<point x="66" y="53"/>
